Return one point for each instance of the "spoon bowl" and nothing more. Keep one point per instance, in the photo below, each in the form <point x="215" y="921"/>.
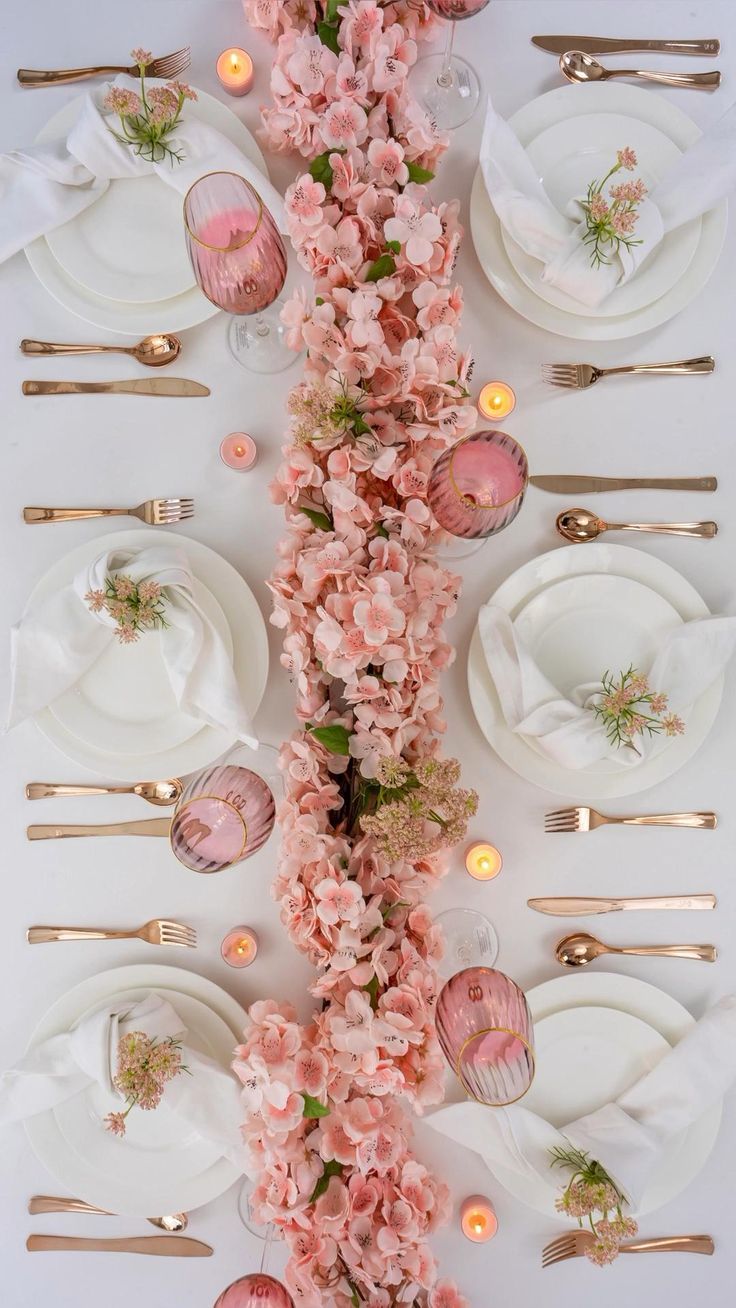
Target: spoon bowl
<point x="159" y="792"/>
<point x="579" y="949"/>
<point x="579" y="525"/>
<point x="173" y="1222"/>
<point x="156" y="351"/>
<point x="580" y="67"/>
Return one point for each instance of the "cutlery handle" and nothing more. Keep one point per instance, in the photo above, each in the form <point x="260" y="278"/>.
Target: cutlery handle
<point x="666" y="483"/>
<point x="680" y="367"/>
<point x="49" y="1203"/>
<point x="65" y="388"/>
<point x="145" y="827"/>
<point x="52" y="347"/>
<point x="35" y="514"/>
<point x="704" y="953"/>
<point x="58" y="76"/>
<point x="44" y="935"/>
<point x="704" y="530"/>
<point x="699" y="1244"/>
<point x="705" y="47"/>
<point x="704" y="820"/>
<point x="47" y="789"/>
<point x="688" y="903"/>
<point x="698" y="81"/>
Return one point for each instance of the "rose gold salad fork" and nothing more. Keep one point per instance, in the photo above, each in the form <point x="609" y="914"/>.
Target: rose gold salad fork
<point x="168" y="66"/>
<point x="573" y="1244"/>
<point x="578" y="376"/>
<point x="155" y="513"/>
<point x="587" y="819"/>
<point x="159" y="931"/>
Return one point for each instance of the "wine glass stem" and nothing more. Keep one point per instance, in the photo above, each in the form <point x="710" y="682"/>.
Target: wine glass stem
<point x="267" y="1247"/>
<point x="445" y="78"/>
<point x="262" y="328"/>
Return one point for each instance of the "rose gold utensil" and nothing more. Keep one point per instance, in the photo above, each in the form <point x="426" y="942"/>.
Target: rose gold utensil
<point x="574" y="1243"/>
<point x="49" y="1203"/>
<point x="171" y="1246"/>
<point x="615" y="45"/>
<point x="167" y="387"/>
<point x="146" y="827"/>
<point x="581" y="525"/>
<point x="564" y="484"/>
<point x="167" y="67"/>
<point x="155" y="513"/>
<point x="153" y="351"/>
<point x="578" y="906"/>
<point x="588" y="819"/>
<point x="579" y="376"/>
<point x="154" y="792"/>
<point x="158" y="931"/>
<point x="577" y="66"/>
<point x="579" y="949"/>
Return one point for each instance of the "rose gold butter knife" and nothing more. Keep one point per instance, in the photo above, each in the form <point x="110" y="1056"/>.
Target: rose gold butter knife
<point x="168" y="1246"/>
<point x="562" y="907"/>
<point x="171" y="386"/>
<point x="616" y="45"/>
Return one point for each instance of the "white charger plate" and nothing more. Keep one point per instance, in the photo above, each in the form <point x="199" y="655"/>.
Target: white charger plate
<point x="77" y="1174"/>
<point x="568" y="156"/>
<point x="523" y="585"/>
<point x="250" y="659"/>
<point x="563" y="105"/>
<point x="172" y="314"/>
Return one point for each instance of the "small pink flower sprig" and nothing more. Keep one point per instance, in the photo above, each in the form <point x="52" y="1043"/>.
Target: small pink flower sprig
<point x="589" y="1191"/>
<point x="628" y="708"/>
<point x="610" y="221"/>
<point x="135" y="608"/>
<point x="145" y="1066"/>
<point x="148" y="120"/>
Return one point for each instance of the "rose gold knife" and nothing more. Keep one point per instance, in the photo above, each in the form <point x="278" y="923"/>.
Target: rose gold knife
<point x="144" y="827"/>
<point x="170" y="1246"/>
<point x="171" y="386"/>
<point x="572" y="907"/>
<point x="615" y="45"/>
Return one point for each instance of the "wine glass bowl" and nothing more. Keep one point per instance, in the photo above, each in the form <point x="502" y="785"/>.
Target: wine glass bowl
<point x="486" y="1033"/>
<point x="255" y="1291"/>
<point x="224" y="815"/>
<point x="477" y="487"/>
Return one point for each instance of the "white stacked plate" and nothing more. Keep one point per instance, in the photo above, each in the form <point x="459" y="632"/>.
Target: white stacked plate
<point x="122" y="263"/>
<point x="572" y="138"/>
<point x="580" y="612"/>
<point x="161" y="1165"/>
<point x="121" y="720"/>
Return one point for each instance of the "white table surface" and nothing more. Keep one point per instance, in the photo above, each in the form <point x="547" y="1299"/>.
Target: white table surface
<point x="122" y="450"/>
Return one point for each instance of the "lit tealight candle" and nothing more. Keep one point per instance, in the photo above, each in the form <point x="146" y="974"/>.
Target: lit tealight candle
<point x="240" y="946"/>
<point x="235" y="71"/>
<point x="483" y="862"/>
<point x="496" y="401"/>
<point x="477" y="1219"/>
<point x="239" y="451"/>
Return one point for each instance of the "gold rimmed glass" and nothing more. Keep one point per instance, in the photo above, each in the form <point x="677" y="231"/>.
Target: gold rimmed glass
<point x="485" y="1029"/>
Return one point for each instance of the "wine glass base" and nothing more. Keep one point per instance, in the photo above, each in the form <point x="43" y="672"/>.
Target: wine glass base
<point x="452" y="104"/>
<point x="258" y="341"/>
<point x="246" y="1216"/>
<point x="454" y="548"/>
<point x="470" y="940"/>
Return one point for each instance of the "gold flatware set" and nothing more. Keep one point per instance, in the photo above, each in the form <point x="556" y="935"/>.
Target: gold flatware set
<point x="155" y="513"/>
<point x="166" y="67"/>
<point x="50" y="1203"/>
<point x="579" y="376"/>
<point x="159" y="931"/>
<point x="577" y="66"/>
<point x="573" y="1244"/>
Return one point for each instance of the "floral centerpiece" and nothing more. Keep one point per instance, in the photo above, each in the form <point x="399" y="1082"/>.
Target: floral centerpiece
<point x="370" y="810"/>
<point x="149" y="119"/>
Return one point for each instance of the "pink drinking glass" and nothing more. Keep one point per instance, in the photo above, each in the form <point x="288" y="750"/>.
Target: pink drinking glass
<point x="224" y="815"/>
<point x="486" y="1033"/>
<point x="239" y="261"/>
<point x="477" y="487"/>
<point x="255" y="1291"/>
<point x="445" y="84"/>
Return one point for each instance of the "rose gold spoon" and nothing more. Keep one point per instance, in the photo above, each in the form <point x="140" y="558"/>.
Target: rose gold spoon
<point x="153" y="351"/>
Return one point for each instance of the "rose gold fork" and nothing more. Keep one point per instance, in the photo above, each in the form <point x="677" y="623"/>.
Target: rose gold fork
<point x="167" y="66"/>
<point x="579" y="376"/>
<point x="155" y="513"/>
<point x="587" y="819"/>
<point x="158" y="931"/>
<point x="574" y="1243"/>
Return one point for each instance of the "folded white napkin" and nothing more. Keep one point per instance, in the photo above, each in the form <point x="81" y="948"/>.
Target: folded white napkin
<point x="702" y="176"/>
<point x="47" y="185"/>
<point x="566" y="730"/>
<point x="627" y="1137"/>
<point x="207" y="1099"/>
<point x="58" y="639"/>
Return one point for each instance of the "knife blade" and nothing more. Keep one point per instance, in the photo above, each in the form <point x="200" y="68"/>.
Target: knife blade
<point x="574" y="907"/>
<point x="167" y="1246"/>
<point x="144" y="827"/>
<point x="615" y="45"/>
<point x="564" y="485"/>
<point x="171" y="386"/>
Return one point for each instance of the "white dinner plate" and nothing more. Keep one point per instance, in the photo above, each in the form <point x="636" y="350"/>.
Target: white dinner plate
<point x="523" y="585"/>
<point x="172" y="314"/>
<point x="250" y="659"/>
<point x="141" y="716"/>
<point x="79" y="1175"/>
<point x="567" y="157"/>
<point x="562" y="105"/>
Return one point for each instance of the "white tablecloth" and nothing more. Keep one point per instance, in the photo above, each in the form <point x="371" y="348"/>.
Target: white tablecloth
<point x="76" y="450"/>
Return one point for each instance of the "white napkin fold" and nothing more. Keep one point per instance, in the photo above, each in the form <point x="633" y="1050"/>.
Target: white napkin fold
<point x="702" y="176"/>
<point x="207" y="1099"/>
<point x="627" y="1137"/>
<point x="58" y="639"/>
<point x="566" y="730"/>
<point x="46" y="185"/>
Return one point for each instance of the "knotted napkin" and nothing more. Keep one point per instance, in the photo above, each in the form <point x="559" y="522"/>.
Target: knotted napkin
<point x="59" y="638"/>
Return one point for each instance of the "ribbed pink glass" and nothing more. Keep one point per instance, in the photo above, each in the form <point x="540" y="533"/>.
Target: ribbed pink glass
<point x="237" y="254"/>
<point x="456" y="10"/>
<point x="255" y="1291"/>
<point x="224" y="815"/>
<point x="486" y="1033"/>
<point x="477" y="487"/>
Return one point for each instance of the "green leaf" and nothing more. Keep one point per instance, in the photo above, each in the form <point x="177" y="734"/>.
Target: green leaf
<point x="361" y="427"/>
<point x="327" y="33"/>
<point x="335" y="738"/>
<point x="383" y="267"/>
<point x="355" y="1301"/>
<point x="319" y="300"/>
<point x="313" y="1108"/>
<point x="321" y="169"/>
<point x="331" y="11"/>
<point x="417" y="174"/>
<point x="316" y="518"/>
<point x="372" y="991"/>
<point x="394" y="246"/>
<point x="381" y="531"/>
<point x="332" y="1168"/>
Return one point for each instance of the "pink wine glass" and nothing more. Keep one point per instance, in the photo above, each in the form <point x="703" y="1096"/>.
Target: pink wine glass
<point x="239" y="261"/>
<point x="445" y="84"/>
<point x="255" y="1291"/>
<point x="223" y="816"/>
<point x="477" y="487"/>
<point x="486" y="1033"/>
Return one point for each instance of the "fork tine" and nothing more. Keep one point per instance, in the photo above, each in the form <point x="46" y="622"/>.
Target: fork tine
<point x="561" y="812"/>
<point x="559" y="1242"/>
<point x="184" y="936"/>
<point x="171" y="64"/>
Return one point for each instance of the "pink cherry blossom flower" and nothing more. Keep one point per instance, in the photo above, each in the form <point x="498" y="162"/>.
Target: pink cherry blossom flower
<point x="415" y="230"/>
<point x="344" y="124"/>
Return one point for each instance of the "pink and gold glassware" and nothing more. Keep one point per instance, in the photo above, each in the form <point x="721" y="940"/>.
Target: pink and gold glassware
<point x="255" y="1291"/>
<point x="239" y="262"/>
<point x="485" y="1029"/>
<point x="224" y="815"/>
<point x="445" y="84"/>
<point x="477" y="487"/>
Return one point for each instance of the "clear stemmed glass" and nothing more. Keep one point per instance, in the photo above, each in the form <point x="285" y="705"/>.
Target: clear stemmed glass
<point x="239" y="261"/>
<point x="485" y="1029"/>
<point x="470" y="940"/>
<point x="477" y="487"/>
<point x="447" y="85"/>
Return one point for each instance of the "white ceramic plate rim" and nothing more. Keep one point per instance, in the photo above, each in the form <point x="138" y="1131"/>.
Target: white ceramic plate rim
<point x="568" y="560"/>
<point x="555" y="106"/>
<point x="250" y="661"/>
<point x="42" y="1130"/>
